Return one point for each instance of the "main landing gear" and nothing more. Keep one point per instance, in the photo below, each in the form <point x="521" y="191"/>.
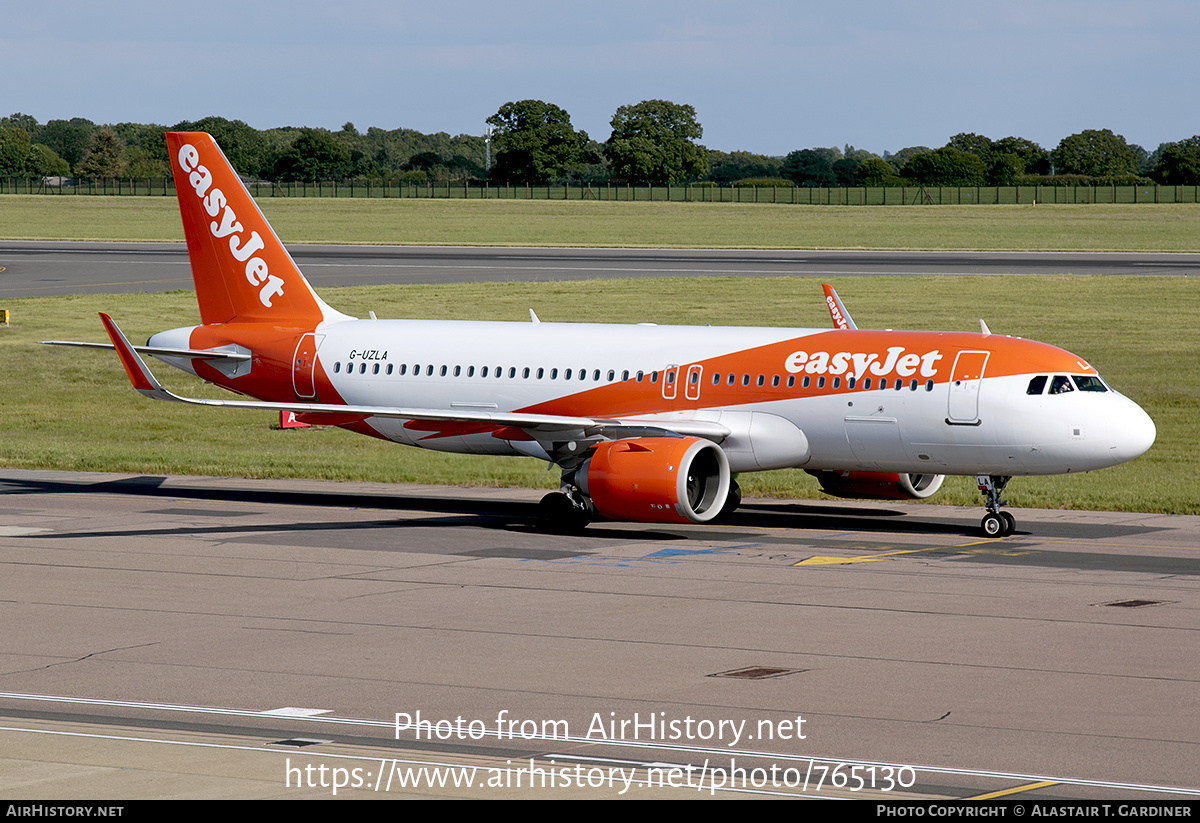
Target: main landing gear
<point x="995" y="523"/>
<point x="563" y="513"/>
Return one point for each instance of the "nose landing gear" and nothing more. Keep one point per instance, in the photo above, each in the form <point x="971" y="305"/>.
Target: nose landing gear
<point x="995" y="523"/>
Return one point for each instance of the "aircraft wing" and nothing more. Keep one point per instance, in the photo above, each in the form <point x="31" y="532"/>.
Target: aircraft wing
<point x="147" y="384"/>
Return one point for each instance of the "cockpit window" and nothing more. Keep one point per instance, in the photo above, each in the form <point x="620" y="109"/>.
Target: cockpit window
<point x="1087" y="382"/>
<point x="1037" y="385"/>
<point x="1061" y="384"/>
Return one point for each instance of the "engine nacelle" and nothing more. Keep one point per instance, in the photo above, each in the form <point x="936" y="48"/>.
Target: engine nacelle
<point x="656" y="479"/>
<point x="879" y="485"/>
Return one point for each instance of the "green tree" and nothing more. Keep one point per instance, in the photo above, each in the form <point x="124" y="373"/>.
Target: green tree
<point x="314" y="155"/>
<point x="811" y="168"/>
<point x="875" y="171"/>
<point x="244" y="146"/>
<point x="897" y="160"/>
<point x="1096" y="153"/>
<point x="945" y="167"/>
<point x="70" y="139"/>
<point x="652" y="142"/>
<point x="1179" y="163"/>
<point x="43" y="162"/>
<point x="1035" y="158"/>
<point x="14" y="152"/>
<point x="1006" y="170"/>
<point x="976" y="144"/>
<point x="726" y="167"/>
<point x="535" y="142"/>
<point x="23" y="121"/>
<point x="104" y="157"/>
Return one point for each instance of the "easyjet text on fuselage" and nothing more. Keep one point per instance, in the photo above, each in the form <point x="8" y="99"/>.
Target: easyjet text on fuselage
<point x="858" y="364"/>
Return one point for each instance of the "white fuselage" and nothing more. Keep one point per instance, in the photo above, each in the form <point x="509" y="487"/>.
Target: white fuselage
<point x="589" y="369"/>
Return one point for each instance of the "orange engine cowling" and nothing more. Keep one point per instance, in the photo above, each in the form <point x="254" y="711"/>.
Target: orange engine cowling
<point x="656" y="479"/>
<point x="879" y="485"/>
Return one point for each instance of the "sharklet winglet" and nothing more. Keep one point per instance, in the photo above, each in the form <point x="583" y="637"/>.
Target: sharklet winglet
<point x="841" y="317"/>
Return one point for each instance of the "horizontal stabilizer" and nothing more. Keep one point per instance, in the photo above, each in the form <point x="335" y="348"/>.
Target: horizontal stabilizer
<point x="159" y="351"/>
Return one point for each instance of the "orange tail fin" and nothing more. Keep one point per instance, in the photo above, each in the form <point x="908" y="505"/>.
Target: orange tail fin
<point x="241" y="270"/>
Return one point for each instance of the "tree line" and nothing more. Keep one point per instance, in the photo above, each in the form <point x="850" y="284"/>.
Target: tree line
<point x="533" y="142"/>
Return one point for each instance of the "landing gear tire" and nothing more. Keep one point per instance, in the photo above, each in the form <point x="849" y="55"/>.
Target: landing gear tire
<point x="732" y="501"/>
<point x="558" y="513"/>
<point x="998" y="524"/>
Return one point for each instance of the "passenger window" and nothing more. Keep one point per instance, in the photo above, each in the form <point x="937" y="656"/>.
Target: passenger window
<point x="928" y="385"/>
<point x="821" y="382"/>
<point x="375" y="369"/>
<point x="837" y="382"/>
<point x="611" y="375"/>
<point x="389" y="368"/>
<point x="775" y="381"/>
<point x="849" y="382"/>
<point x="403" y="369"/>
<point x="1061" y="384"/>
<point x="540" y="372"/>
<point x="716" y="379"/>
<point x="337" y="367"/>
<point x="525" y="373"/>
<point x="745" y="380"/>
<point x="566" y="374"/>
<point x="791" y="380"/>
<point x="760" y="380"/>
<point x="1037" y="385"/>
<point x="730" y="380"/>
<point x="804" y="382"/>
<point x="362" y="369"/>
<point x="866" y="383"/>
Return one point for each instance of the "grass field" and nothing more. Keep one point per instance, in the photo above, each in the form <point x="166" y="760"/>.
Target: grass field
<point x="74" y="410"/>
<point x="1145" y="227"/>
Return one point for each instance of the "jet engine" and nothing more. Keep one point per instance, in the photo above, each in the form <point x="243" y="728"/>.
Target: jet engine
<point x="656" y="479"/>
<point x="879" y="485"/>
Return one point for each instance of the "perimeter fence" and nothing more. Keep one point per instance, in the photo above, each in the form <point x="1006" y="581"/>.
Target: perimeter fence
<point x="690" y="193"/>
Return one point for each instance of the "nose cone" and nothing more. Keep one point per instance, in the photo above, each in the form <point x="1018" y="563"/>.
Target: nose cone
<point x="1131" y="432"/>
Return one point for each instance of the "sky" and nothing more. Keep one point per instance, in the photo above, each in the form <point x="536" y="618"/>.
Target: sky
<point x="765" y="76"/>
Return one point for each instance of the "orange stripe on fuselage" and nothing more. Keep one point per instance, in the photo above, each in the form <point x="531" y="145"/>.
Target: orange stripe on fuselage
<point x="879" y="355"/>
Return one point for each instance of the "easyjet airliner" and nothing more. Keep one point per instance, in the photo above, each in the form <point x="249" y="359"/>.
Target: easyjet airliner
<point x="647" y="423"/>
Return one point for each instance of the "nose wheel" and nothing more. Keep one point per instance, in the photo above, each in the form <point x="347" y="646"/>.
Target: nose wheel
<point x="995" y="523"/>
